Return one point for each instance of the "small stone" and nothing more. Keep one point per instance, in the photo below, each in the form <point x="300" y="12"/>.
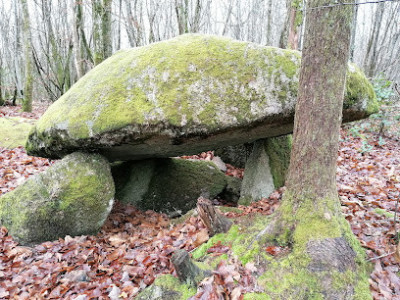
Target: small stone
<point x="219" y="163"/>
<point x="76" y="276"/>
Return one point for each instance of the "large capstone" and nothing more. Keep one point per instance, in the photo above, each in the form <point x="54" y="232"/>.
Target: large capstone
<point x="72" y="197"/>
<point x="183" y="96"/>
<point x="172" y="185"/>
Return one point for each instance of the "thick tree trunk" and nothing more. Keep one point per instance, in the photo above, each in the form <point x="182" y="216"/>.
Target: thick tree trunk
<point x="27" y="45"/>
<point x="309" y="220"/>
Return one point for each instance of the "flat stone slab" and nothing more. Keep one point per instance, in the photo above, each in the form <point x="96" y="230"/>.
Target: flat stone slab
<point x="183" y="96"/>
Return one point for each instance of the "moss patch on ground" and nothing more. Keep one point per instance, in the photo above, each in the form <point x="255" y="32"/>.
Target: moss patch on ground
<point x="14" y="131"/>
<point x="291" y="275"/>
<point x="384" y="212"/>
<point x="167" y="287"/>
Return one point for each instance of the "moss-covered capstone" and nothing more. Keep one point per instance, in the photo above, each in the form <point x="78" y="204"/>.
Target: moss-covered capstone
<point x="184" y="95"/>
<point x="14" y="131"/>
<point x="171" y="185"/>
<point x="266" y="168"/>
<point x="72" y="197"/>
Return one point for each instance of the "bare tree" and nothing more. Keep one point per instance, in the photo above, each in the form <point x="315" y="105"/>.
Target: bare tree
<point x="27" y="45"/>
<point x="101" y="14"/>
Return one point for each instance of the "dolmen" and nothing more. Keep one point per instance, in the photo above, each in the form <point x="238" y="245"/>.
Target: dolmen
<point x="141" y="109"/>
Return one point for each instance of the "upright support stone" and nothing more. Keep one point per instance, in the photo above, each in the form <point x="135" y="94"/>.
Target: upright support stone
<point x="266" y="168"/>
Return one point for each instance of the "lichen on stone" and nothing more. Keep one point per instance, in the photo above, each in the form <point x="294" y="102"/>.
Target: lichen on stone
<point x="72" y="197"/>
<point x="181" y="96"/>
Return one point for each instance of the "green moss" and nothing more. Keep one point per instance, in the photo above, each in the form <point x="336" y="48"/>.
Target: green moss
<point x="289" y="276"/>
<point x="72" y="197"/>
<point x="278" y="150"/>
<point x="213" y="261"/>
<point x="256" y="296"/>
<point x="167" y="287"/>
<point x="146" y="182"/>
<point x="14" y="131"/>
<point x="241" y="239"/>
<point x="187" y="86"/>
<point x="245" y="200"/>
<point x="359" y="90"/>
<point x="171" y="282"/>
<point x="384" y="212"/>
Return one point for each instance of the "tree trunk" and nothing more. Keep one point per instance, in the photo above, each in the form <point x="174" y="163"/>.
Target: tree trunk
<point x="1" y="83"/>
<point x="27" y="45"/>
<point x="289" y="36"/>
<point x="101" y="11"/>
<point x="353" y="32"/>
<point x="373" y="42"/>
<point x="77" y="26"/>
<point x="269" y="23"/>
<point x="324" y="250"/>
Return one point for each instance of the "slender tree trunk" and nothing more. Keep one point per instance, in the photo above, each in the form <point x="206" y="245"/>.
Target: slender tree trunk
<point x="353" y="32"/>
<point x="373" y="42"/>
<point x="118" y="44"/>
<point x="289" y="36"/>
<point x="1" y="82"/>
<point x="310" y="218"/>
<point x="27" y="45"/>
<point x="101" y="11"/>
<point x="269" y="23"/>
<point x="77" y="25"/>
<point x="182" y="15"/>
<point x="293" y="34"/>
<point x="195" y="26"/>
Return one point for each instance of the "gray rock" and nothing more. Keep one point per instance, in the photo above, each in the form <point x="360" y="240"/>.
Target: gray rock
<point x="171" y="185"/>
<point x="182" y="96"/>
<point x="72" y="197"/>
<point x="219" y="163"/>
<point x="236" y="155"/>
<point x="266" y="168"/>
<point x="257" y="180"/>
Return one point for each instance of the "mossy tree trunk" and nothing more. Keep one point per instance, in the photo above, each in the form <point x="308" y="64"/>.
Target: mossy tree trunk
<point x="101" y="11"/>
<point x="324" y="251"/>
<point x="28" y="87"/>
<point x="77" y="20"/>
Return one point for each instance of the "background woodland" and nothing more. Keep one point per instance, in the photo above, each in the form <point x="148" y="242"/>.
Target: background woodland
<point x="46" y="46"/>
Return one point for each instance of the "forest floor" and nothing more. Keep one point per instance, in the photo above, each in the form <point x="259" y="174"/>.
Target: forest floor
<point x="134" y="247"/>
